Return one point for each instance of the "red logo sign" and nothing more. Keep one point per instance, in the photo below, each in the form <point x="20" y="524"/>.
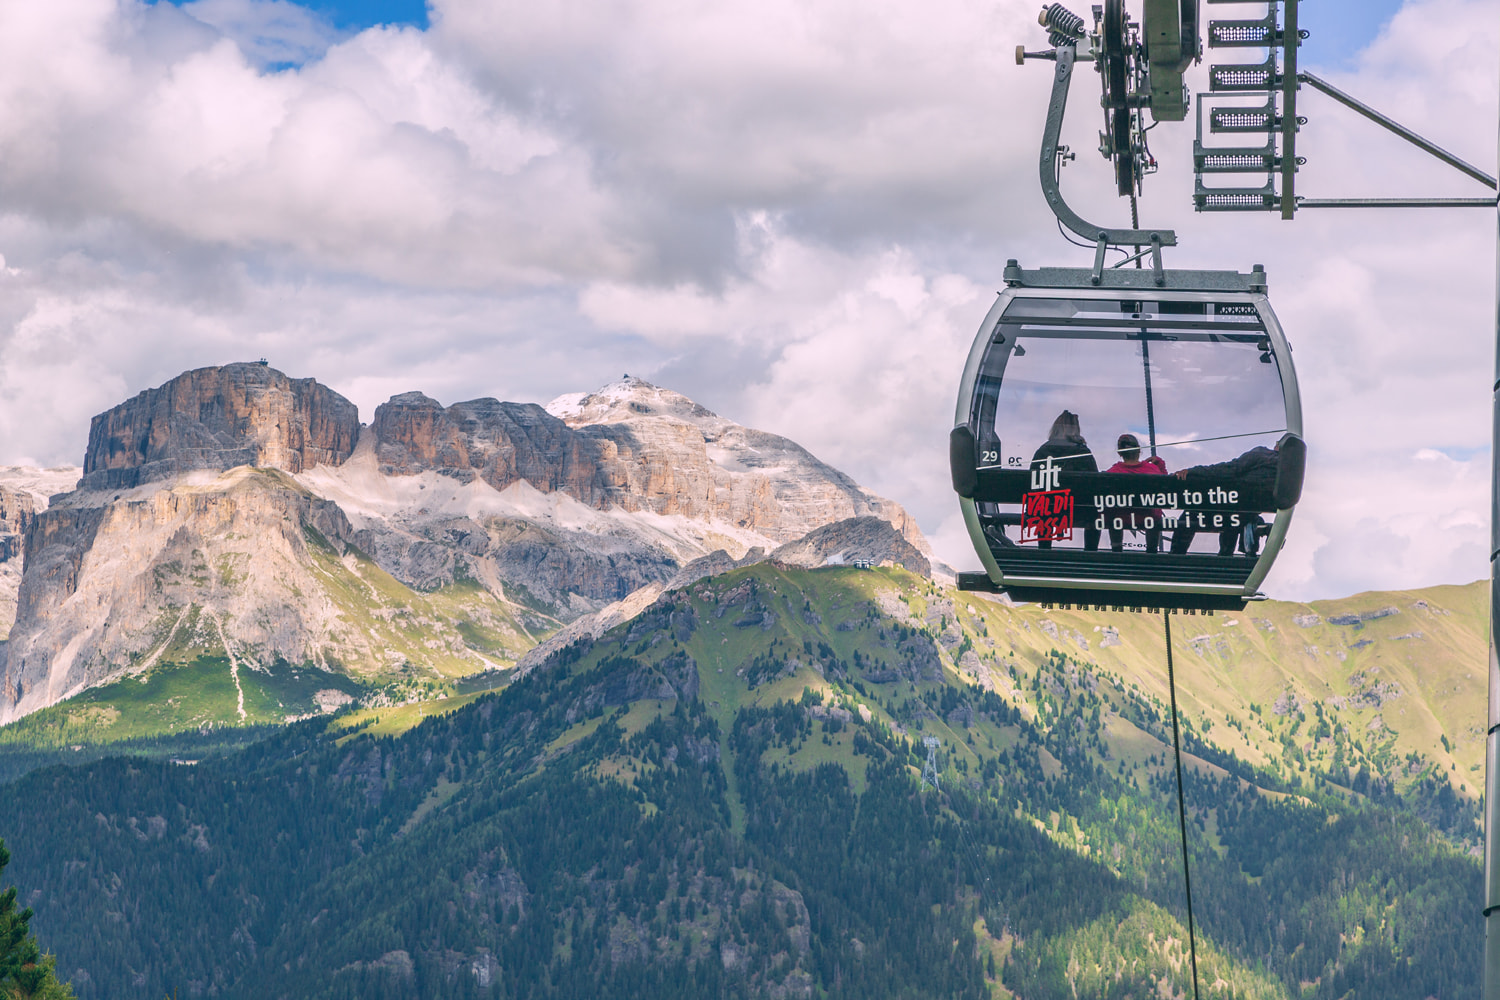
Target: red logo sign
<point x="1047" y="516"/>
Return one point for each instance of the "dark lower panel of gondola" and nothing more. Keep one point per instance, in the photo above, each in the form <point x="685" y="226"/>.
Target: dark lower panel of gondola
<point x="1084" y="599"/>
<point x="1106" y="566"/>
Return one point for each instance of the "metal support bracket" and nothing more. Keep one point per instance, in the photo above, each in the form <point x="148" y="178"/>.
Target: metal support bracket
<point x="1317" y="83"/>
<point x="1489" y="202"/>
<point x="1158" y="274"/>
<point x="1103" y="236"/>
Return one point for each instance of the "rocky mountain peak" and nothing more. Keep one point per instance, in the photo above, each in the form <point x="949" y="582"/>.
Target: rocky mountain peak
<point x="630" y="398"/>
<point x="217" y="419"/>
<point x="870" y="541"/>
<point x="237" y="507"/>
<point x="630" y="446"/>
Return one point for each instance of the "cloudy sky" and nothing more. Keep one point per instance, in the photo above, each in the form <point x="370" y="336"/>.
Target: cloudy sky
<point x="794" y="211"/>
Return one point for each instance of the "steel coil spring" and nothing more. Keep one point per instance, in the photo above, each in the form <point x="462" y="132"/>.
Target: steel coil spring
<point x="1059" y="21"/>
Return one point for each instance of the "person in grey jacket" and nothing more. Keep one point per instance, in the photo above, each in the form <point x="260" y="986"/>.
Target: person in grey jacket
<point x="1255" y="469"/>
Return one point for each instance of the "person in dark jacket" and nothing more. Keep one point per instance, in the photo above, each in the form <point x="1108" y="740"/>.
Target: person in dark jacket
<point x="1136" y="519"/>
<point x="1254" y="470"/>
<point x="1066" y="446"/>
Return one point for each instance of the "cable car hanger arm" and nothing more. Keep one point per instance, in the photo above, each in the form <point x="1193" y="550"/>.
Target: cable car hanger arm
<point x="1102" y="236"/>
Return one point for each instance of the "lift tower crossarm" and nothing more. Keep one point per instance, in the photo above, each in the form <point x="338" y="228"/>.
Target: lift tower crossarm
<point x="1318" y="83"/>
<point x="1489" y="202"/>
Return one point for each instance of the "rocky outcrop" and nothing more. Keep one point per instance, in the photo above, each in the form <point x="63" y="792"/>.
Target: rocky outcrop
<point x="584" y="502"/>
<point x="631" y="446"/>
<point x="677" y="457"/>
<point x="218" y="419"/>
<point x="108" y="583"/>
<point x="23" y="493"/>
<point x="237" y="572"/>
<point x="866" y="540"/>
<point x="17" y="509"/>
<point x="505" y="443"/>
<point x="501" y="443"/>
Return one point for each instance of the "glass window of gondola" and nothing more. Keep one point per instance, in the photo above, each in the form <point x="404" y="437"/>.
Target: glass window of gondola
<point x="1195" y="384"/>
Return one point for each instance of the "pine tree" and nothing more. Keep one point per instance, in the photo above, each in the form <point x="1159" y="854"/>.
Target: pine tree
<point x="25" y="973"/>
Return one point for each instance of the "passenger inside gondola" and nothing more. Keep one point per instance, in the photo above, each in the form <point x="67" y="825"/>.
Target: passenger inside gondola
<point x="1066" y="447"/>
<point x="1254" y="470"/>
<point x="1143" y="519"/>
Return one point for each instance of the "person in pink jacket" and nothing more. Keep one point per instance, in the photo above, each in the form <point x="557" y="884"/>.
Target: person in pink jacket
<point x="1135" y="518"/>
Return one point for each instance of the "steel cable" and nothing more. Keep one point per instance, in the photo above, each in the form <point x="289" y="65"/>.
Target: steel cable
<point x="1187" y="878"/>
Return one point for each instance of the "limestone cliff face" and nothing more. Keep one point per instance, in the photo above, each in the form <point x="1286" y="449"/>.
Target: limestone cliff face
<point x="585" y="501"/>
<point x="681" y="458"/>
<point x="631" y="446"/>
<point x="107" y="581"/>
<point x="501" y="443"/>
<point x="251" y="510"/>
<point x="23" y="493"/>
<point x="17" y="509"/>
<point x="218" y="419"/>
<point x="430" y="528"/>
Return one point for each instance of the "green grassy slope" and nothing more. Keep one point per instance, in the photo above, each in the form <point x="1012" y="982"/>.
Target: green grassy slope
<point x="1299" y="691"/>
<point x="1368" y="702"/>
<point x="1392" y="682"/>
<point x="721" y="797"/>
<point x="452" y="632"/>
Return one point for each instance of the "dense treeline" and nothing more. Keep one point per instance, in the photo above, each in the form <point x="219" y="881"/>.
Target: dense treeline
<point x="20" y="753"/>
<point x="25" y="972"/>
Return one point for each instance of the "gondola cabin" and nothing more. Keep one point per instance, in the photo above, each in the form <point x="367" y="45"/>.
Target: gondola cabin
<point x="1135" y="441"/>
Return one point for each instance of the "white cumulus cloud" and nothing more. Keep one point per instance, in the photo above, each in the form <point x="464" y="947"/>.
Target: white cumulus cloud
<point x="795" y="211"/>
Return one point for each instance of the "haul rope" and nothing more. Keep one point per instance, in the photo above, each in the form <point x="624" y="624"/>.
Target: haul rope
<point x="1187" y="878"/>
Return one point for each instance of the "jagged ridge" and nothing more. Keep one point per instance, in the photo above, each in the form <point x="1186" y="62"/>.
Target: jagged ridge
<point x="550" y="517"/>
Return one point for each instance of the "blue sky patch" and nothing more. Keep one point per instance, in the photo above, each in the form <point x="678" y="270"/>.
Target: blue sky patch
<point x="1464" y="453"/>
<point x="1340" y="28"/>
<point x="357" y="15"/>
<point x="277" y="35"/>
